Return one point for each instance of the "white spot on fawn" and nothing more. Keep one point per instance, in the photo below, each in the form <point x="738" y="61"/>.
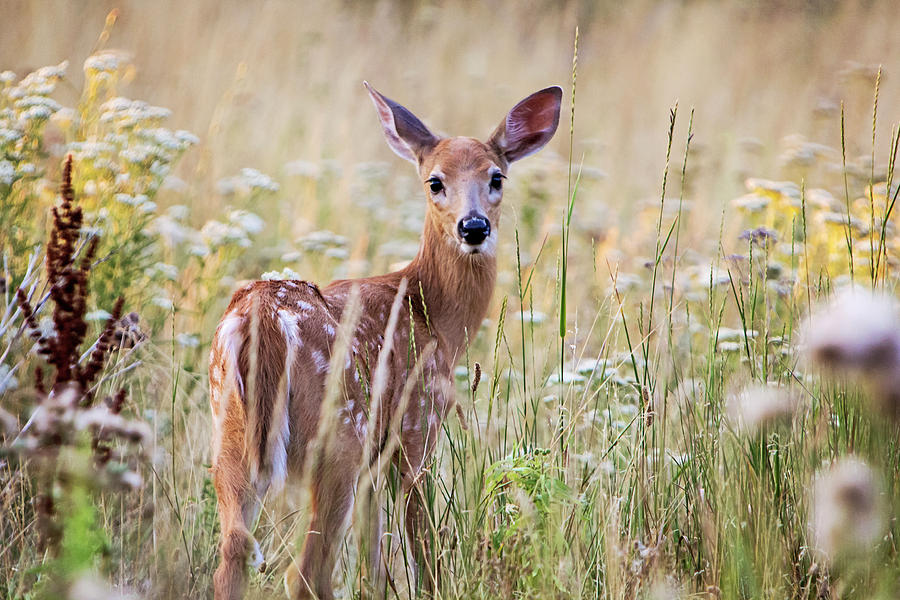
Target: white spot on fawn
<point x="319" y="360"/>
<point x="304" y="305"/>
<point x="361" y="425"/>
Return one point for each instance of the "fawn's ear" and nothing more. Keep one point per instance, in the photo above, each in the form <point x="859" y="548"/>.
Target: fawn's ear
<point x="405" y="134"/>
<point x="529" y="125"/>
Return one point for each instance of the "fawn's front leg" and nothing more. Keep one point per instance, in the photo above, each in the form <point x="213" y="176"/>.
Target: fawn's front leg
<point x="419" y="531"/>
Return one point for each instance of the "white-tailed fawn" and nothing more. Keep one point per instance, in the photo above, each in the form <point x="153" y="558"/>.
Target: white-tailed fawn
<point x="285" y="405"/>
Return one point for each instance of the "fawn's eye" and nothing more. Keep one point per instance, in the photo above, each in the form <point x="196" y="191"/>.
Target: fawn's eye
<point x="436" y="185"/>
<point x="497" y="181"/>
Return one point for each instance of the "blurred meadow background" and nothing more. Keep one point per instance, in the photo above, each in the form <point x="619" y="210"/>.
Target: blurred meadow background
<point x="679" y="426"/>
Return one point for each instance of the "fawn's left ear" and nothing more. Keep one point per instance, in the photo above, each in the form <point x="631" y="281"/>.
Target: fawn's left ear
<point x="529" y="125"/>
<point x="405" y="134"/>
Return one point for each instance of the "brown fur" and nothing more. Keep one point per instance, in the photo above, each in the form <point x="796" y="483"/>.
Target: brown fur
<point x="271" y="354"/>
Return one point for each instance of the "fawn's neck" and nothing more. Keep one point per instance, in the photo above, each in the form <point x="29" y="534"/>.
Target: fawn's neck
<point x="456" y="287"/>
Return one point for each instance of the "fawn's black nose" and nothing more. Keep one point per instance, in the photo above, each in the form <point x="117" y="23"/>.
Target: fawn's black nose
<point x="474" y="230"/>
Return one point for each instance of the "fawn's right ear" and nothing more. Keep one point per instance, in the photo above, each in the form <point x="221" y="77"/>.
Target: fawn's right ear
<point x="405" y="134"/>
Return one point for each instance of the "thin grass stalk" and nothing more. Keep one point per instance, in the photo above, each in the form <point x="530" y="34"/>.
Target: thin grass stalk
<point x="872" y="261"/>
<point x="848" y="232"/>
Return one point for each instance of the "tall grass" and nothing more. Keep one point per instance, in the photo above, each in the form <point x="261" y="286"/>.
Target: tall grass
<point x="662" y="438"/>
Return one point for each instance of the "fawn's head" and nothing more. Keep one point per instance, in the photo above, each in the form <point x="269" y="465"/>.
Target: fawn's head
<point x="462" y="176"/>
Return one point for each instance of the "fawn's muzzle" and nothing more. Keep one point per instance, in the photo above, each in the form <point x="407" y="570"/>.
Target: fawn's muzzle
<point x="474" y="230"/>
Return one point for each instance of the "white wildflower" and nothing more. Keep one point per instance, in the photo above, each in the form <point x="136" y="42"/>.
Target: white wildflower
<point x="31" y="101"/>
<point x="323" y="241"/>
<point x="216" y="234"/>
<point x="564" y="377"/>
<point x="106" y="61"/>
<point x="7" y="172"/>
<point x="337" y="253"/>
<point x="178" y="211"/>
<point x="786" y="189"/>
<point x="286" y="273"/>
<point x="168" y="271"/>
<point x="160" y="168"/>
<point x="729" y="347"/>
<point x="127" y="113"/>
<point x="726" y="334"/>
<point x="36" y="113"/>
<point x="821" y="199"/>
<point x="26" y="168"/>
<point x="199" y="249"/>
<point x="752" y="202"/>
<point x="97" y="315"/>
<point x="163" y="302"/>
<point x="52" y="71"/>
<point x="138" y="154"/>
<point x="127" y="199"/>
<point x="534" y="317"/>
<point x="161" y="137"/>
<point x="186" y="138"/>
<point x="188" y="340"/>
<point x="90" y="188"/>
<point x="117" y="139"/>
<point x="7" y="77"/>
<point x="9" y="135"/>
<point x="847" y="516"/>
<point x="247" y="221"/>
<point x="169" y="230"/>
<point x="257" y="180"/>
<point x="90" y="149"/>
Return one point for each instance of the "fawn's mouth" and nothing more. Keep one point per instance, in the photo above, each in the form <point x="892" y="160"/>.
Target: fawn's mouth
<point x="485" y="248"/>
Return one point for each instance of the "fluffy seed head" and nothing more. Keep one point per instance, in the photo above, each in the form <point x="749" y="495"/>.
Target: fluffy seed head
<point x="847" y="516"/>
<point x="858" y="334"/>
<point x="856" y="331"/>
<point x="759" y="406"/>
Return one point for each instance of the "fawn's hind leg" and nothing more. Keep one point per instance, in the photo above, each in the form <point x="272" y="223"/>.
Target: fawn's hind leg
<point x="333" y="486"/>
<point x="239" y="502"/>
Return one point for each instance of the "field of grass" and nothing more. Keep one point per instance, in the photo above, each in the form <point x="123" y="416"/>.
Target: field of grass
<point x="705" y="406"/>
